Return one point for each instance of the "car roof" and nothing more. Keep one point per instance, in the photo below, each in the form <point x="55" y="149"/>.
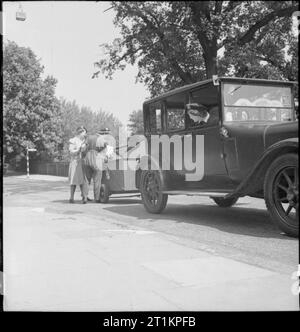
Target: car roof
<point x="209" y="81"/>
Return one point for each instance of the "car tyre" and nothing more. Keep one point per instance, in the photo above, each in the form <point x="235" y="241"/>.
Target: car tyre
<point x="151" y="191"/>
<point x="281" y="191"/>
<point x="225" y="202"/>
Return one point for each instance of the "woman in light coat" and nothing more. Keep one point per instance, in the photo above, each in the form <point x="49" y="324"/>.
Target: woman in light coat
<point x="76" y="148"/>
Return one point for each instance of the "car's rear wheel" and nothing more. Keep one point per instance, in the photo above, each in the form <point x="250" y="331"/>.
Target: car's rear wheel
<point x="225" y="202"/>
<point x="281" y="190"/>
<point x="104" y="193"/>
<point x="151" y="190"/>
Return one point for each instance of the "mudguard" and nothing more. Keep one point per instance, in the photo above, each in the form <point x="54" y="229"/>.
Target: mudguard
<point x="253" y="182"/>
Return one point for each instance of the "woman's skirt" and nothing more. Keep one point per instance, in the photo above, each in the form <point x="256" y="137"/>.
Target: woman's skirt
<point x="76" y="172"/>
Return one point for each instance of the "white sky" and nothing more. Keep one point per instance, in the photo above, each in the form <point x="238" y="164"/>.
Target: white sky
<point x="66" y="37"/>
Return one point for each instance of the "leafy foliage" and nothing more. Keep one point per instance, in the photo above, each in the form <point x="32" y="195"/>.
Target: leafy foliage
<point x="136" y="124"/>
<point x="175" y="43"/>
<point x="31" y="112"/>
<point x="34" y="117"/>
<point x="74" y="116"/>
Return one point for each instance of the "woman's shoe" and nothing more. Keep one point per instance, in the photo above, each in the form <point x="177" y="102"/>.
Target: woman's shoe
<point x="84" y="201"/>
<point x="71" y="201"/>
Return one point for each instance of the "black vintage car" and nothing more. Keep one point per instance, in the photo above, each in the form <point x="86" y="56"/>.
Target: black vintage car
<point x="249" y="145"/>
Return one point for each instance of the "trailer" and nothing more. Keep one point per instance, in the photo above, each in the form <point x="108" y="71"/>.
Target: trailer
<point x="118" y="180"/>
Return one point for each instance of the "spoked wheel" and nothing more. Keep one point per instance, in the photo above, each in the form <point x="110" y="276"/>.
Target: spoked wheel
<point x="151" y="189"/>
<point x="282" y="193"/>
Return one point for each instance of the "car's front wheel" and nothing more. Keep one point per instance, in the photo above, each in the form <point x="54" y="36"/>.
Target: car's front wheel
<point x="225" y="202"/>
<point x="281" y="190"/>
<point x="151" y="190"/>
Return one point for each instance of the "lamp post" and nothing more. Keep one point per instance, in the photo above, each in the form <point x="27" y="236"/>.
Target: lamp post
<point x="27" y="158"/>
<point x="20" y="14"/>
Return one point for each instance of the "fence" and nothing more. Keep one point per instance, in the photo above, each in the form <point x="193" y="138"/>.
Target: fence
<point x="50" y="168"/>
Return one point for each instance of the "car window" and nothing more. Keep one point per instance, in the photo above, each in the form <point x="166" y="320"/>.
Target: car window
<point x="176" y="118"/>
<point x="175" y="112"/>
<point x="256" y="95"/>
<point x="205" y="101"/>
<point x="155" y="125"/>
<point x="246" y="102"/>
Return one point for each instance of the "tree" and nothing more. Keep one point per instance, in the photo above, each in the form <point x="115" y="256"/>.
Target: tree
<point x="31" y="112"/>
<point x="74" y="116"/>
<point x="175" y="43"/>
<point x="136" y="122"/>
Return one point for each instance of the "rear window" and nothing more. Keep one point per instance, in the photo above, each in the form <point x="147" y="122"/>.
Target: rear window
<point x="246" y="102"/>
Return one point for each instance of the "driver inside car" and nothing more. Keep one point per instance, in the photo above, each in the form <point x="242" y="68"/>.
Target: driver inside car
<point x="197" y="113"/>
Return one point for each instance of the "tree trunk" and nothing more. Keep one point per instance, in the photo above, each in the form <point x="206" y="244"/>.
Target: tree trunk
<point x="210" y="59"/>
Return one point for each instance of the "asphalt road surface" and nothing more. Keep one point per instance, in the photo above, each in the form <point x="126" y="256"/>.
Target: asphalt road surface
<point x="38" y="208"/>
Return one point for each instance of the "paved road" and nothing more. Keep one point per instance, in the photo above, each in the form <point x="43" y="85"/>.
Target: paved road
<point x="178" y="260"/>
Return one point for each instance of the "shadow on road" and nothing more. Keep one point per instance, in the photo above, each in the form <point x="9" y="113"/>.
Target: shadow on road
<point x="66" y="201"/>
<point x="240" y="219"/>
<point x="118" y="201"/>
<point x="236" y="220"/>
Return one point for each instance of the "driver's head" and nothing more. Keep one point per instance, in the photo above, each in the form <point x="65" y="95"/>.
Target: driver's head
<point x="197" y="112"/>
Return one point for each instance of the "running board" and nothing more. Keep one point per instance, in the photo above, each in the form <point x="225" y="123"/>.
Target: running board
<point x="124" y="196"/>
<point x="197" y="193"/>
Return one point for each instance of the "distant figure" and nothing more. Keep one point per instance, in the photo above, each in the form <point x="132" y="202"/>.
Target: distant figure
<point x="76" y="148"/>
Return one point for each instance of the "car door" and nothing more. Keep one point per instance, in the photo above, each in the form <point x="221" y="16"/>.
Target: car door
<point x="215" y="174"/>
<point x="202" y="159"/>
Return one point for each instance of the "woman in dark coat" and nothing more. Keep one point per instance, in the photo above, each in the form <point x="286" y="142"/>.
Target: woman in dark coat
<point x="76" y="148"/>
